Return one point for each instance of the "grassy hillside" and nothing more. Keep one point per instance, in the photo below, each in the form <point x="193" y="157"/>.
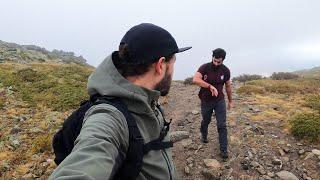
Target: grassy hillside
<point x="35" y="98"/>
<point x="297" y="103"/>
<point x="310" y="73"/>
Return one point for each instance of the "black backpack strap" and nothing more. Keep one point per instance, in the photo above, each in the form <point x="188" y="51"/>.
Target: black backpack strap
<point x="132" y="165"/>
<point x="158" y="144"/>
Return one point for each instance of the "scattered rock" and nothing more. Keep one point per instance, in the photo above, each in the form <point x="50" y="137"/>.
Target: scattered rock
<point x="254" y="164"/>
<point x="276" y="161"/>
<point x="286" y="149"/>
<point x="309" y="156"/>
<point x="190" y="160"/>
<point x="194" y="112"/>
<point x="286" y="175"/>
<point x="246" y="177"/>
<point x="316" y="152"/>
<point x="16" y="129"/>
<point x="271" y="174"/>
<point x="178" y="136"/>
<point x="281" y="152"/>
<point x="301" y="152"/>
<point x="27" y="176"/>
<point x="187" y="170"/>
<point x="187" y="142"/>
<point x="245" y="163"/>
<point x="211" y="174"/>
<point x="212" y="163"/>
<point x="261" y="170"/>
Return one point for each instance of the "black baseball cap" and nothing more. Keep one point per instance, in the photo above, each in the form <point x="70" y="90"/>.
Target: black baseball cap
<point x="147" y="42"/>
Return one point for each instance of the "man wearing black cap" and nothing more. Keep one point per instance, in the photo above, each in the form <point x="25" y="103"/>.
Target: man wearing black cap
<point x="138" y="73"/>
<point x="211" y="77"/>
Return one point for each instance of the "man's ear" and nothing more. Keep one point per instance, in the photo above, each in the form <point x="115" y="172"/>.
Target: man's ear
<point x="160" y="65"/>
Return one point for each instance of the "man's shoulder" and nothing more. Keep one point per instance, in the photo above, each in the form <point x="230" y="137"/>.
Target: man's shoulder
<point x="225" y="68"/>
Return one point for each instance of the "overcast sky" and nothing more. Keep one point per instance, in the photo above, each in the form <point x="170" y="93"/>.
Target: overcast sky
<point x="260" y="37"/>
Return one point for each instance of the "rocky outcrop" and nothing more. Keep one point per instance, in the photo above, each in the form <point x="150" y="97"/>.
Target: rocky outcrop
<point x="31" y="53"/>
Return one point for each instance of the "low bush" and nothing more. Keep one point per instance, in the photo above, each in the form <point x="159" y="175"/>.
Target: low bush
<point x="251" y="89"/>
<point x="283" y="76"/>
<point x="313" y="101"/>
<point x="306" y="126"/>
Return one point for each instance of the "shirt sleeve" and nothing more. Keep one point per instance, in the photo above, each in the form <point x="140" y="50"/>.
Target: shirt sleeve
<point x="227" y="75"/>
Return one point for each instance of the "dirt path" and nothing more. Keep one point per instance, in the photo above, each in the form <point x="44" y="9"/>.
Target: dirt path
<point x="257" y="150"/>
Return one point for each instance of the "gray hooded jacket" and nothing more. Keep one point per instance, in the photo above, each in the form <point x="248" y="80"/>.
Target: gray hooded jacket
<point x="104" y="138"/>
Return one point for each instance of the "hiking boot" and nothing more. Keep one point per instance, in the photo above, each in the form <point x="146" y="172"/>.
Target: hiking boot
<point x="203" y="140"/>
<point x="224" y="155"/>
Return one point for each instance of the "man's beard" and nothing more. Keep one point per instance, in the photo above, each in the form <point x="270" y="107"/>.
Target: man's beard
<point x="216" y="67"/>
<point x="164" y="85"/>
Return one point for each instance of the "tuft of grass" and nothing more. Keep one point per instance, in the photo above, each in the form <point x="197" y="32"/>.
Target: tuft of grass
<point x="306" y="126"/>
<point x="251" y="89"/>
<point x="313" y="101"/>
<point x="41" y="144"/>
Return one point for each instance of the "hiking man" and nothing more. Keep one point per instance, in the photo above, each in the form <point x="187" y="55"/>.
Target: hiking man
<point x="138" y="73"/>
<point x="212" y="77"/>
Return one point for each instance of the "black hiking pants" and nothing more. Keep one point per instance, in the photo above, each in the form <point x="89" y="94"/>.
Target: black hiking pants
<point x="219" y="108"/>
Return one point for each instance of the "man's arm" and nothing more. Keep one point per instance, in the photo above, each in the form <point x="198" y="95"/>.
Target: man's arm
<point x="197" y="79"/>
<point x="100" y="147"/>
<point x="229" y="94"/>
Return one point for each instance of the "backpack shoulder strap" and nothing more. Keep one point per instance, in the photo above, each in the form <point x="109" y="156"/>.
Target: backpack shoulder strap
<point x="132" y="165"/>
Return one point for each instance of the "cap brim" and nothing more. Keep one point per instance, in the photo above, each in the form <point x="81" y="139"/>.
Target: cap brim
<point x="183" y="49"/>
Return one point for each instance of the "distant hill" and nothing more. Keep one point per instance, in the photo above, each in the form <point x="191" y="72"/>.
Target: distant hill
<point x="31" y="53"/>
<point x="311" y="73"/>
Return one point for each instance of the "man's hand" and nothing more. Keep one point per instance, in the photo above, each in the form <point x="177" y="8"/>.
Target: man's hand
<point x="214" y="91"/>
<point x="230" y="105"/>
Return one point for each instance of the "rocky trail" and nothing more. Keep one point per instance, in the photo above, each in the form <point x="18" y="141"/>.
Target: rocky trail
<point x="257" y="149"/>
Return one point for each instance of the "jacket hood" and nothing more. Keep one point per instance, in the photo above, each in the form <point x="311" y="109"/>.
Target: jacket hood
<point x="106" y="80"/>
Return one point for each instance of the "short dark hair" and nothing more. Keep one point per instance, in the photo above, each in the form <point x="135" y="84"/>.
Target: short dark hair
<point x="219" y="53"/>
<point x="130" y="69"/>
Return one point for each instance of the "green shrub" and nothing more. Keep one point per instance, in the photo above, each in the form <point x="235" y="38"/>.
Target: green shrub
<point x="306" y="126"/>
<point x="313" y="101"/>
<point x="188" y="81"/>
<point x="282" y="88"/>
<point x="246" y="77"/>
<point x="250" y="89"/>
<point x="283" y="75"/>
<point x="29" y="75"/>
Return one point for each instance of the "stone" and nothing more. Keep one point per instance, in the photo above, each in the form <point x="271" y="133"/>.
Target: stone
<point x="16" y="129"/>
<point x="212" y="163"/>
<point x="281" y="152"/>
<point x="286" y="149"/>
<point x="286" y="175"/>
<point x="27" y="176"/>
<point x="276" y="161"/>
<point x="246" y="177"/>
<point x="187" y="142"/>
<point x="301" y="152"/>
<point x="270" y="174"/>
<point x="254" y="164"/>
<point x="309" y="156"/>
<point x="190" y="160"/>
<point x="316" y="152"/>
<point x="211" y="174"/>
<point x="285" y="159"/>
<point x="187" y="170"/>
<point x="178" y="136"/>
<point x="194" y="112"/>
<point x="261" y="170"/>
